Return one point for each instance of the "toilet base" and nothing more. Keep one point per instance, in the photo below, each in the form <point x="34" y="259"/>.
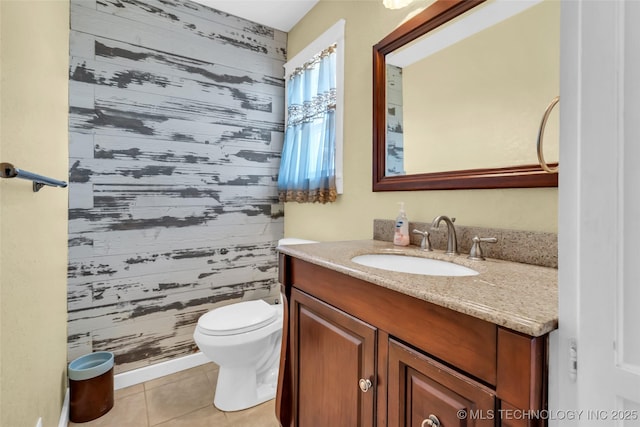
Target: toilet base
<point x="237" y="389"/>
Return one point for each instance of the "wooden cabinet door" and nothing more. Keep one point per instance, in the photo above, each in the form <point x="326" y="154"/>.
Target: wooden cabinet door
<point x="419" y="388"/>
<point x="331" y="352"/>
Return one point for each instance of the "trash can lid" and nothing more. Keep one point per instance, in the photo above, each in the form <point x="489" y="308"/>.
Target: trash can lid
<point x="90" y="365"/>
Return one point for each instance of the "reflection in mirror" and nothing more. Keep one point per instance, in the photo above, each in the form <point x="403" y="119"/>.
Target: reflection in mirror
<point x="466" y="99"/>
<point x="395" y="122"/>
<point x="512" y="64"/>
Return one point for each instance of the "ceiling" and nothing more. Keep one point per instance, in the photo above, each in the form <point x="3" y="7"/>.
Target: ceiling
<point x="279" y="14"/>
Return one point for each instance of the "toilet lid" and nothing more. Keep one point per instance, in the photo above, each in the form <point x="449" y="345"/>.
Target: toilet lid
<point x="237" y="318"/>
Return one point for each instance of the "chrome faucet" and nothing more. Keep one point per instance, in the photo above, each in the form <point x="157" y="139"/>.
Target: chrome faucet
<point x="452" y="240"/>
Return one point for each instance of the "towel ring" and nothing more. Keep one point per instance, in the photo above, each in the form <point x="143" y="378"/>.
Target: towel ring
<point x="544" y="164"/>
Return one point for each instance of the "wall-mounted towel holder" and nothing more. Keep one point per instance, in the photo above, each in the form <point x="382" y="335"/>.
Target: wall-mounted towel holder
<point x="539" y="143"/>
<point x="8" y="171"/>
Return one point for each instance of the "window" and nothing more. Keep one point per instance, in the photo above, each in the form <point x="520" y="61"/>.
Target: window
<point x="311" y="164"/>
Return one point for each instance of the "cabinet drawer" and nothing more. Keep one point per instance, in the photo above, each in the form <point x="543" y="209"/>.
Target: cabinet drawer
<point x="421" y="388"/>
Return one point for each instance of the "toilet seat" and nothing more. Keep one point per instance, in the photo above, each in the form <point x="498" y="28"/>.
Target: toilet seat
<point x="237" y="318"/>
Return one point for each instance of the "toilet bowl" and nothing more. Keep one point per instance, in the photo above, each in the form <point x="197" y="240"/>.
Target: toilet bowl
<point x="244" y="340"/>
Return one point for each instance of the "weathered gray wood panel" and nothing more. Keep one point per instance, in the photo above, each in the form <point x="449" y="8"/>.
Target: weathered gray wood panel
<point x="176" y="127"/>
<point x="395" y="138"/>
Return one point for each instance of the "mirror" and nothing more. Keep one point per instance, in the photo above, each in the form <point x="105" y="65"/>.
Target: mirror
<point x="459" y="91"/>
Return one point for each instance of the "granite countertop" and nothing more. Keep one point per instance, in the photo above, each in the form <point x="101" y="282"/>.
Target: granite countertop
<point x="520" y="297"/>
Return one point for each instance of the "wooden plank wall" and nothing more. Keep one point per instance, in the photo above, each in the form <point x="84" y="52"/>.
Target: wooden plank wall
<point x="176" y="126"/>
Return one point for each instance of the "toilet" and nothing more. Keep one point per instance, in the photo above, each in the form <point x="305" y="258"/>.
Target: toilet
<point x="244" y="340"/>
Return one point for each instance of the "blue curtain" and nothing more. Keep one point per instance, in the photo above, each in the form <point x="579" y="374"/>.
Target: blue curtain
<point x="307" y="168"/>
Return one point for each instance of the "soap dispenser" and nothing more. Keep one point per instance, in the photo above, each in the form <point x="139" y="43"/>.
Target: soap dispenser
<point x="401" y="234"/>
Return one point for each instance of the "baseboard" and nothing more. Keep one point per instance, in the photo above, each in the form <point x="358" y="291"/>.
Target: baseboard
<point x="64" y="414"/>
<point x="151" y="372"/>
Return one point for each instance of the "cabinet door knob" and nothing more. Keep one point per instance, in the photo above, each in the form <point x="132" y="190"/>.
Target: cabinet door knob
<point x="432" y="421"/>
<point x="365" y="384"/>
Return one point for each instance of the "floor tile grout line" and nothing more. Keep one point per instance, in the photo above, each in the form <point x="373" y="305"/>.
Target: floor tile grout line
<point x="184" y="415"/>
<point x="146" y="383"/>
<point x="146" y="405"/>
<point x="197" y="373"/>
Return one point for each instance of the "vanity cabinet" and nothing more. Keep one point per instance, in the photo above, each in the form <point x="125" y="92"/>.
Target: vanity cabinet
<point x="358" y="354"/>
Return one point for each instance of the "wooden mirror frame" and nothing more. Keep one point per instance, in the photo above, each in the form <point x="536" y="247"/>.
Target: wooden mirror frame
<point x="432" y="17"/>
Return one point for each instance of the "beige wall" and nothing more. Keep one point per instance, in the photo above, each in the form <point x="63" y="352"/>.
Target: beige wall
<point x="351" y="217"/>
<point x="33" y="228"/>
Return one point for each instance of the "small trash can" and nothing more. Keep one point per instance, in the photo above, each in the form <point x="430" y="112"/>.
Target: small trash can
<point x="90" y="386"/>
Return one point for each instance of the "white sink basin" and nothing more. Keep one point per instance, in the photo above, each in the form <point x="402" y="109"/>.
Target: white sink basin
<point x="414" y="265"/>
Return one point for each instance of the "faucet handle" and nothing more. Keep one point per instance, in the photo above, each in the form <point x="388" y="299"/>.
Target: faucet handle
<point x="476" y="250"/>
<point x="425" y="244"/>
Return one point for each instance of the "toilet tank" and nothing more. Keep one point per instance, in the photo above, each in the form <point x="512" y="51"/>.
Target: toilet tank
<point x="294" y="241"/>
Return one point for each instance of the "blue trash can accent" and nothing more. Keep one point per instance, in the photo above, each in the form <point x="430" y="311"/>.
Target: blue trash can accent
<point x="91" y="386"/>
<point x="90" y="365"/>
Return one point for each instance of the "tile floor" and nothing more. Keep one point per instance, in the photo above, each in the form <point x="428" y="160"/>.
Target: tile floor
<point x="183" y="399"/>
